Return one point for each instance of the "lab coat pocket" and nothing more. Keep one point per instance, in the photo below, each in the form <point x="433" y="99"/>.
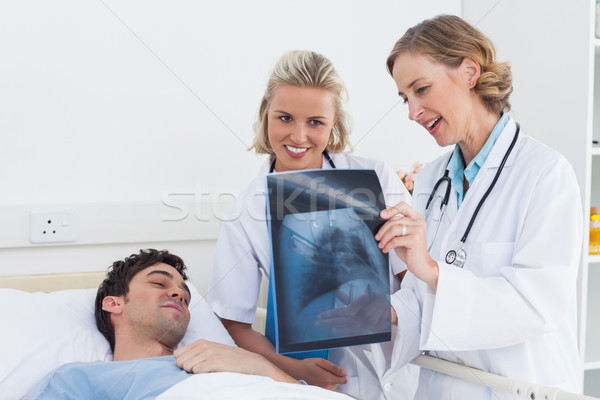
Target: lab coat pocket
<point x="488" y="258"/>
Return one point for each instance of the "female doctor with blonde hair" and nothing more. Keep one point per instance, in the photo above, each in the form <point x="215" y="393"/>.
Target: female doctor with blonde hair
<point x="493" y="241"/>
<point x="301" y="124"/>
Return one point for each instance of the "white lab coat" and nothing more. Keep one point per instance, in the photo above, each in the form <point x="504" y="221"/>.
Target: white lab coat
<point x="512" y="309"/>
<point x="243" y="251"/>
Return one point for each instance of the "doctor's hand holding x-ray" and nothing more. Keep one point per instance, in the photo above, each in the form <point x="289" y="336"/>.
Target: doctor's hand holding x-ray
<point x="494" y="233"/>
<point x="412" y="249"/>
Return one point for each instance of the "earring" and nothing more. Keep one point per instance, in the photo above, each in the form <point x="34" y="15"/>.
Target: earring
<point x="471" y="83"/>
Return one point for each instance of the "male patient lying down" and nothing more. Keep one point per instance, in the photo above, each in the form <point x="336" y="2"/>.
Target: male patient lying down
<point x="142" y="310"/>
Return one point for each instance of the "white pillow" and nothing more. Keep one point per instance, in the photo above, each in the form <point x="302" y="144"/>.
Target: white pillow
<point x="42" y="331"/>
<point x="204" y="324"/>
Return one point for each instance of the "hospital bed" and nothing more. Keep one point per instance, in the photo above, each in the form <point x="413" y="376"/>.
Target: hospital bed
<point x="48" y="321"/>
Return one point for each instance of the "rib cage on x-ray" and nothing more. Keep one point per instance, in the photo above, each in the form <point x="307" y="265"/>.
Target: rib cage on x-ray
<point x="325" y="257"/>
<point x="333" y="255"/>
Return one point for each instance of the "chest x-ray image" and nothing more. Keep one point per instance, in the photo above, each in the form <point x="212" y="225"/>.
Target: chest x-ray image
<point x="331" y="280"/>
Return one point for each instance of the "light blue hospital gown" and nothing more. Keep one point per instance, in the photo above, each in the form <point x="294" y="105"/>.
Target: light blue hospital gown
<point x="118" y="380"/>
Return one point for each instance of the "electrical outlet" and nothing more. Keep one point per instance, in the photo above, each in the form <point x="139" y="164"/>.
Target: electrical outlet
<point x="51" y="226"/>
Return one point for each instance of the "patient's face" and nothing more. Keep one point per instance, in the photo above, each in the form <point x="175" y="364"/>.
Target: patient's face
<point x="299" y="122"/>
<point x="157" y="304"/>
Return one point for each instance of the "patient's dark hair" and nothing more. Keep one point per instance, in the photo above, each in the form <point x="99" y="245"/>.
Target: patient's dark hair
<point x="117" y="283"/>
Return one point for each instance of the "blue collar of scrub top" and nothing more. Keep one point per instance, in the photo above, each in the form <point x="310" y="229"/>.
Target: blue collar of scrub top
<point x="456" y="166"/>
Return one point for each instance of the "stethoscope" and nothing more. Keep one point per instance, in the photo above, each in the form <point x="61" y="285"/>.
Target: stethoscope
<point x="325" y="154"/>
<point x="458" y="257"/>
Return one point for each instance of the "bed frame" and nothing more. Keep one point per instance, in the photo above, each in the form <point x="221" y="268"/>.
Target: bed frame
<point x="53" y="282"/>
<point x="88" y="280"/>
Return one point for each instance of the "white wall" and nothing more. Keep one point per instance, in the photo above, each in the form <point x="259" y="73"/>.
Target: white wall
<point x="547" y="43"/>
<point x="112" y="107"/>
<point x="114" y="101"/>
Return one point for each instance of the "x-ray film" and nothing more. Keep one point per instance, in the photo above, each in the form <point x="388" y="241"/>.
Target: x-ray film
<point x="329" y="280"/>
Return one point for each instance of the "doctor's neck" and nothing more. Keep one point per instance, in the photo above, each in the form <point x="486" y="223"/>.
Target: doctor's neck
<point x="479" y="126"/>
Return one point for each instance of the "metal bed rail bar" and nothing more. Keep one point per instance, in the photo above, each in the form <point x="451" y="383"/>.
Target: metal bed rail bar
<point x="524" y="390"/>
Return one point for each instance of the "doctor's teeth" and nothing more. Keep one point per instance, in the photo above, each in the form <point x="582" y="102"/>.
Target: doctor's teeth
<point x="296" y="150"/>
<point x="432" y="123"/>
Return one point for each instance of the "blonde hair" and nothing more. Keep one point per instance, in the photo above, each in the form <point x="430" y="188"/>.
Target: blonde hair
<point x="306" y="69"/>
<point x="447" y="40"/>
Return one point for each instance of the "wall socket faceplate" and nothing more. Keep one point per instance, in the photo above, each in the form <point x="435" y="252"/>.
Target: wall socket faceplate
<point x="53" y="225"/>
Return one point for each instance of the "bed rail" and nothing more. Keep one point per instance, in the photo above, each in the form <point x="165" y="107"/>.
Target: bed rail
<point x="524" y="390"/>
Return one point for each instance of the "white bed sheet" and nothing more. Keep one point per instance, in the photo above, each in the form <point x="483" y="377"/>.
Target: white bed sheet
<point x="233" y="386"/>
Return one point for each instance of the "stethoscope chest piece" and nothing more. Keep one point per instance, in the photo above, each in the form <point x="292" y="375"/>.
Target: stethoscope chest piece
<point x="456" y="258"/>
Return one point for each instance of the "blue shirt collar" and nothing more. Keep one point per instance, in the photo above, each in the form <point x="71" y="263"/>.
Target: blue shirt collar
<point x="456" y="166"/>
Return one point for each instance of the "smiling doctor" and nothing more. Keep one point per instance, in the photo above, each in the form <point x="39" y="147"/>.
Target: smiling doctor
<point x="493" y="243"/>
<point x="302" y="124"/>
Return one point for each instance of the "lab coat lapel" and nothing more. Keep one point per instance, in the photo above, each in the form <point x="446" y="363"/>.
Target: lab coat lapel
<point x="459" y="218"/>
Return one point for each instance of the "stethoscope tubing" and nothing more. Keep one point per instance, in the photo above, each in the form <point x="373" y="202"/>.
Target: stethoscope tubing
<point x="488" y="191"/>
<point x="444" y="203"/>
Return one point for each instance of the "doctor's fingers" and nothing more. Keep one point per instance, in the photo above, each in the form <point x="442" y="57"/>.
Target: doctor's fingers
<point x="401" y="208"/>
<point x="390" y="226"/>
<point x="403" y="232"/>
<point x="323" y="373"/>
<point x="332" y="369"/>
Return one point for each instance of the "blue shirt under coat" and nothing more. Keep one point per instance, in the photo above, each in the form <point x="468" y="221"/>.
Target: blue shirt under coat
<point x="456" y="166"/>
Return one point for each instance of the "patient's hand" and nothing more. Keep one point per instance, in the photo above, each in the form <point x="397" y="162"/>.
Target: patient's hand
<point x="320" y="372"/>
<point x="204" y="356"/>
